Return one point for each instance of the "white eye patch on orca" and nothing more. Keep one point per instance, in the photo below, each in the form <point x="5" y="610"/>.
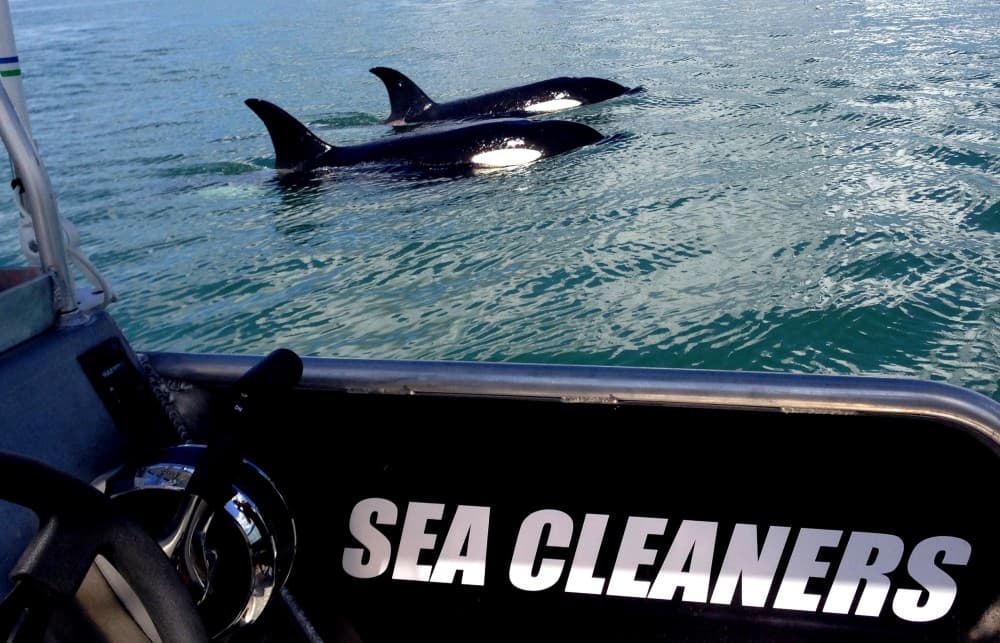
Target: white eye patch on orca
<point x="554" y="105"/>
<point x="511" y="154"/>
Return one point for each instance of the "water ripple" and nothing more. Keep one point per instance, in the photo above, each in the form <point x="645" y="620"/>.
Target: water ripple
<point x="799" y="188"/>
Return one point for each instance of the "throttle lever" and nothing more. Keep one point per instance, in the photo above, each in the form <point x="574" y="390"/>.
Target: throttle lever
<point x="218" y="487"/>
<point x="211" y="483"/>
<point x="277" y="373"/>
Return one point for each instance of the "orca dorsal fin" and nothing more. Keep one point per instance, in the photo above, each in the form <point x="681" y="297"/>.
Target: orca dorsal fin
<point x="407" y="102"/>
<point x="294" y="145"/>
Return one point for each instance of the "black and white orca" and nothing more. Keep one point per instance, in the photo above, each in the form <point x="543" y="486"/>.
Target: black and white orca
<point x="410" y="105"/>
<point x="483" y="144"/>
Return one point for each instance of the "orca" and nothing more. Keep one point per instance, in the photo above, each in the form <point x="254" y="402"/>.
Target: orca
<point x="483" y="144"/>
<point x="410" y="105"/>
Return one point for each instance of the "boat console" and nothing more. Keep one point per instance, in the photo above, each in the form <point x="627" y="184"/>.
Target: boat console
<point x="321" y="499"/>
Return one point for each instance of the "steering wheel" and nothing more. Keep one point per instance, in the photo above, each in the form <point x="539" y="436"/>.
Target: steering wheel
<point x="78" y="522"/>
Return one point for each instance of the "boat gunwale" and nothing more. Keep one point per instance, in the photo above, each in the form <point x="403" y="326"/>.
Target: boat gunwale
<point x="790" y="393"/>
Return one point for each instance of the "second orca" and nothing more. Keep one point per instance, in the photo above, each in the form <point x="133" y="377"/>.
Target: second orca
<point x="483" y="144"/>
<point x="409" y="104"/>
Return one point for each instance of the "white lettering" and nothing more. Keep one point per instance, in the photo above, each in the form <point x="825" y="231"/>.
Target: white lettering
<point x="742" y="564"/>
<point x="581" y="573"/>
<point x="855" y="568"/>
<point x="549" y="551"/>
<point x="469" y="531"/>
<point x="414" y="540"/>
<point x="632" y="554"/>
<point x="526" y="549"/>
<point x="802" y="566"/>
<point x="377" y="547"/>
<point x="695" y="541"/>
<point x="939" y="585"/>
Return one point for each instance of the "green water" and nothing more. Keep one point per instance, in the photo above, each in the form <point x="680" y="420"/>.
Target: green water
<point x="803" y="186"/>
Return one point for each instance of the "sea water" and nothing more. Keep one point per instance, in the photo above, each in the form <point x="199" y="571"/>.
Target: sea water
<point x="803" y="186"/>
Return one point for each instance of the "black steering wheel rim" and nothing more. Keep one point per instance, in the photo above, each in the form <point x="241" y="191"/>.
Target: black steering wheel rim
<point x="76" y="523"/>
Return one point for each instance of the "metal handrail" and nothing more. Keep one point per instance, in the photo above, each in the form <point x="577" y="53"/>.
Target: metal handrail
<point x="971" y="412"/>
<point x="39" y="201"/>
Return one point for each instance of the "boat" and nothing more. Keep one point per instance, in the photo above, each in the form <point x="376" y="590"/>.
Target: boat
<point x="189" y="497"/>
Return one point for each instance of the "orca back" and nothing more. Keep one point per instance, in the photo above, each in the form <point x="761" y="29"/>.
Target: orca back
<point x="485" y="143"/>
<point x="409" y="104"/>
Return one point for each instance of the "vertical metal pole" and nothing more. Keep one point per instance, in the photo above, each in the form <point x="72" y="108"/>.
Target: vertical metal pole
<point x="38" y="198"/>
<point x="10" y="66"/>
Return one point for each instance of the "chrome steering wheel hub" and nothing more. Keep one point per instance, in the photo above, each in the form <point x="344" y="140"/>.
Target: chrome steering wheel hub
<point x="233" y="559"/>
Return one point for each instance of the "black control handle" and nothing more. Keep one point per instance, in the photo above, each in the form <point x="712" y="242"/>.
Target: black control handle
<point x="252" y="396"/>
<point x="278" y="372"/>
